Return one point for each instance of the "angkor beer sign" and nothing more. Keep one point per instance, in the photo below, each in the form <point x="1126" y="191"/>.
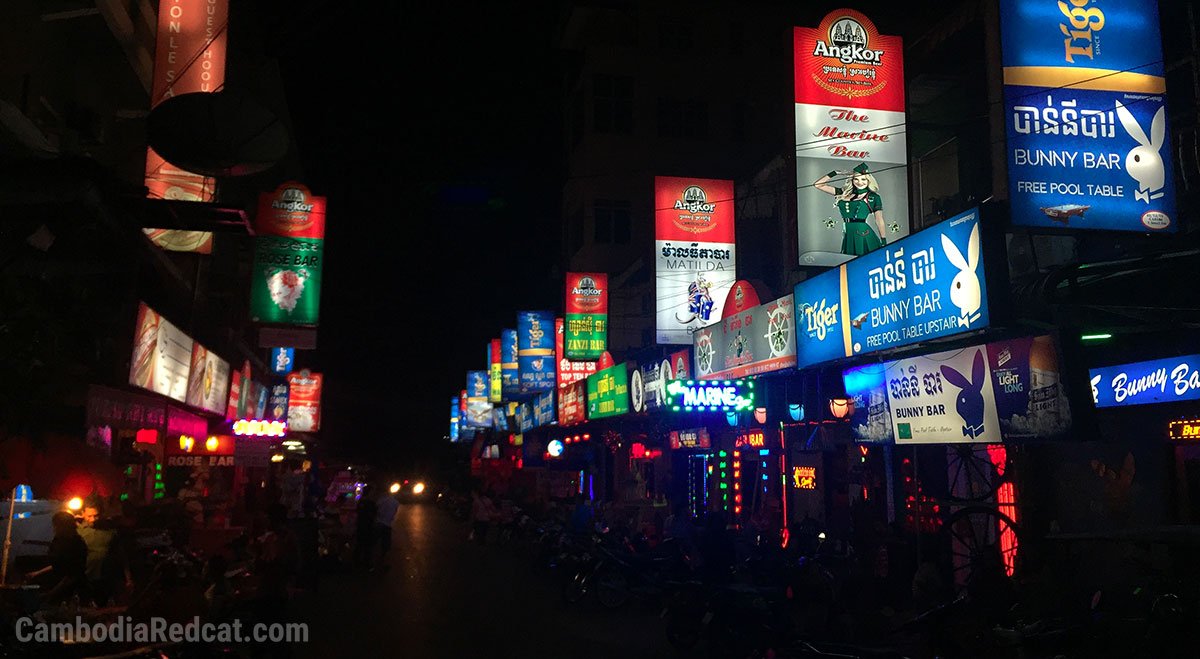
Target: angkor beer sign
<point x="587" y="315"/>
<point x="851" y="177"/>
<point x="694" y="253"/>
<point x="189" y="56"/>
<point x="1085" y="115"/>
<point x="288" y="256"/>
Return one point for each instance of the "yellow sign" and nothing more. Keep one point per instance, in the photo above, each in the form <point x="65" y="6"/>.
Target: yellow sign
<point x="804" y="478"/>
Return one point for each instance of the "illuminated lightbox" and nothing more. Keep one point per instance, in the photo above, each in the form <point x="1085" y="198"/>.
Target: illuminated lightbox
<point x="1185" y="430"/>
<point x="259" y="428"/>
<point x="710" y="395"/>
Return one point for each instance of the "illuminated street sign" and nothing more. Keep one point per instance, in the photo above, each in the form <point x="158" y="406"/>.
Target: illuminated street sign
<point x="710" y="395"/>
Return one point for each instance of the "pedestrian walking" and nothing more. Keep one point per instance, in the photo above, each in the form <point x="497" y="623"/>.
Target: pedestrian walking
<point x="481" y="516"/>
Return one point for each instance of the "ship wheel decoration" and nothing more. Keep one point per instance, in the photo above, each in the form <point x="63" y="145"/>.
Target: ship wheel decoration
<point x="704" y="354"/>
<point x="779" y="330"/>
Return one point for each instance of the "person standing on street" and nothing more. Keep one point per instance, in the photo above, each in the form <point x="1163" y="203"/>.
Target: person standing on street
<point x="388" y="505"/>
<point x="364" y="527"/>
<point x="481" y="516"/>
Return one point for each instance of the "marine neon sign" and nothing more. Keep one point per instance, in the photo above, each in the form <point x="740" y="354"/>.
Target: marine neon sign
<point x="710" y="395"/>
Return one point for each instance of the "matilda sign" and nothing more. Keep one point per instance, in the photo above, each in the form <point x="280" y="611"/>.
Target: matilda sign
<point x="1085" y="112"/>
<point x="928" y="285"/>
<point x="851" y="153"/>
<point x="694" y="253"/>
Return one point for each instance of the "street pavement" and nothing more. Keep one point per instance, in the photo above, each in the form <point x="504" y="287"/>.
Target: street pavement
<point x="444" y="597"/>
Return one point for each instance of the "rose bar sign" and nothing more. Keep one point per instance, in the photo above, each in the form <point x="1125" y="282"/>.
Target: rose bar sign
<point x="288" y="257"/>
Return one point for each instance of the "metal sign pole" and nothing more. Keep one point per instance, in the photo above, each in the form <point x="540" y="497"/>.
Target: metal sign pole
<point x="12" y="506"/>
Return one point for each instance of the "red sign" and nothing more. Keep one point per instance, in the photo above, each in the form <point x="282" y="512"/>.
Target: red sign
<point x="741" y="296"/>
<point x="568" y="371"/>
<point x="693" y="209"/>
<point x="752" y="439"/>
<point x="846" y="62"/>
<point x="587" y="292"/>
<point x="694" y="438"/>
<point x="291" y="211"/>
<point x="681" y="364"/>
<point x="304" y="401"/>
<point x="189" y="56"/>
<point x="235" y="396"/>
<point x="572" y="403"/>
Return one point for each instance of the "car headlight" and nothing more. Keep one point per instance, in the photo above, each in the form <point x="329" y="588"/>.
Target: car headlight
<point x="418" y="488"/>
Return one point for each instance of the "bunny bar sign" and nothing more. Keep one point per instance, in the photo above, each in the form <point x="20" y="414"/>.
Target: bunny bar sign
<point x="928" y="285"/>
<point x="1002" y="391"/>
<point x="1086" y="115"/>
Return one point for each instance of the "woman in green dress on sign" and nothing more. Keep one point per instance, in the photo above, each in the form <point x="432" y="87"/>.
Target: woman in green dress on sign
<point x="857" y="204"/>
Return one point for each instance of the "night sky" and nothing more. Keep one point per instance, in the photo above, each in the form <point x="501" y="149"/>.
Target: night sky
<point x="438" y="146"/>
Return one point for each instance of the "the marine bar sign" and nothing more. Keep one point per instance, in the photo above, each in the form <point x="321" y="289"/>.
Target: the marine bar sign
<point x="851" y="152"/>
<point x="587" y="315"/>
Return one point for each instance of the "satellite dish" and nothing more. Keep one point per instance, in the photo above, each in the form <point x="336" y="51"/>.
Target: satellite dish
<point x="219" y="134"/>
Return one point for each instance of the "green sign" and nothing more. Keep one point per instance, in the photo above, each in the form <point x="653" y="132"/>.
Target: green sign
<point x="286" y="280"/>
<point x="587" y="316"/>
<point x="608" y="392"/>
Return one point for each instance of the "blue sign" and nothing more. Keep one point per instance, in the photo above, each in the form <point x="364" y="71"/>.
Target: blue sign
<point x="454" y="419"/>
<point x="260" y="403"/>
<point x="535" y="351"/>
<point x="543" y="409"/>
<point x="277" y="404"/>
<point x="282" y="360"/>
<point x="1086" y="115"/>
<point x="925" y="286"/>
<point x="711" y="395"/>
<point x="1157" y="381"/>
<point x="524" y="417"/>
<point x="509" y="373"/>
<point x="499" y="420"/>
<point x="479" y="409"/>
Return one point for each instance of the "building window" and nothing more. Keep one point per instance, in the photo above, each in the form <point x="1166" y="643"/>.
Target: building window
<point x="675" y="34"/>
<point x="613" y="104"/>
<point x="612" y="222"/>
<point x="682" y="118"/>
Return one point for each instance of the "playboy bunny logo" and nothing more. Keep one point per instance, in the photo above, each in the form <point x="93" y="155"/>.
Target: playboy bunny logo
<point x="1095" y="391"/>
<point x="970" y="397"/>
<point x="965" y="291"/>
<point x="1143" y="163"/>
